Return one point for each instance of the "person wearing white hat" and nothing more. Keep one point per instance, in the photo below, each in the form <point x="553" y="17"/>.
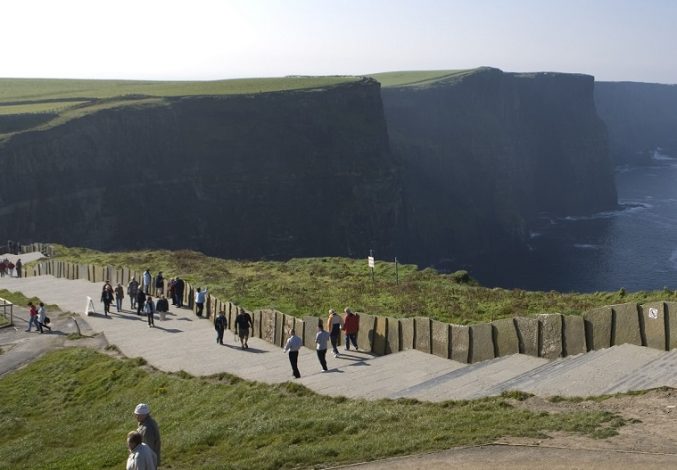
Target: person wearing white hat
<point x="148" y="428"/>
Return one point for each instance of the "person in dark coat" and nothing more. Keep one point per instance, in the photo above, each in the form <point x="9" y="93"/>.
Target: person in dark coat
<point x="140" y="301"/>
<point x="107" y="298"/>
<point x="178" y="291"/>
<point x="220" y="325"/>
<point x="159" y="284"/>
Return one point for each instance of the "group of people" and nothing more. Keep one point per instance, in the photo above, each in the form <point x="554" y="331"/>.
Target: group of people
<point x="349" y="324"/>
<point x="38" y="317"/>
<point x="139" y="299"/>
<point x="243" y="323"/>
<point x="144" y="443"/>
<point x="7" y="267"/>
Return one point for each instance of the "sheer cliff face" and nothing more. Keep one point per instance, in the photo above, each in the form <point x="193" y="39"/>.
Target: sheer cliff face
<point x="275" y="175"/>
<point x="484" y="154"/>
<point x="640" y="118"/>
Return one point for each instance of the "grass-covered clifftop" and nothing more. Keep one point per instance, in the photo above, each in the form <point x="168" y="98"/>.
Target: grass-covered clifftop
<point x="310" y="286"/>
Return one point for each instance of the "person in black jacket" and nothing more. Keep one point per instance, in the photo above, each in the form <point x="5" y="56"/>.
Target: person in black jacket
<point x="140" y="301"/>
<point x="178" y="289"/>
<point x="162" y="304"/>
<point x="107" y="298"/>
<point x="220" y="325"/>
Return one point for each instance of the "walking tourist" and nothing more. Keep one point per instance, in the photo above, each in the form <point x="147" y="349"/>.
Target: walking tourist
<point x="18" y="266"/>
<point x="334" y="326"/>
<point x="119" y="296"/>
<point x="220" y="325"/>
<point x="293" y="345"/>
<point x="140" y="301"/>
<point x="149" y="310"/>
<point x="178" y="291"/>
<point x="132" y="290"/>
<point x="148" y="428"/>
<point x="321" y="339"/>
<point x="351" y="325"/>
<point x="141" y="456"/>
<point x="243" y="321"/>
<point x="33" y="319"/>
<point x="43" y="319"/>
<point x="107" y="298"/>
<point x="200" y="296"/>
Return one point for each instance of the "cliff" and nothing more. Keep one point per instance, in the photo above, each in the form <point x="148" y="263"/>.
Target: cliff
<point x="640" y="117"/>
<point x="266" y="175"/>
<point x="486" y="152"/>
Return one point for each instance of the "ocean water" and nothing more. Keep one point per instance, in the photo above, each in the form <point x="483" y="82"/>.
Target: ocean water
<point x="634" y="247"/>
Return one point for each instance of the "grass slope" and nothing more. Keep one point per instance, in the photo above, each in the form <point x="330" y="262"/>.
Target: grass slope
<point x="72" y="409"/>
<point x="417" y="78"/>
<point x="313" y="285"/>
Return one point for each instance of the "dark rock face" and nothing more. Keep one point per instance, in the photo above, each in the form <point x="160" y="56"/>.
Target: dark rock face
<point x="486" y="152"/>
<point x="276" y="175"/>
<point x="640" y="117"/>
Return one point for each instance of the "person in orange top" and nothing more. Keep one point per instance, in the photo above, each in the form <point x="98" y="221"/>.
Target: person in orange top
<point x="351" y="325"/>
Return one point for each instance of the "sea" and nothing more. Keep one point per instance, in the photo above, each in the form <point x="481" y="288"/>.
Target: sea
<point x="633" y="247"/>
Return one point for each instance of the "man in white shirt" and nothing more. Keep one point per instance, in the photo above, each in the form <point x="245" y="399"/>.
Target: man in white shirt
<point x="141" y="457"/>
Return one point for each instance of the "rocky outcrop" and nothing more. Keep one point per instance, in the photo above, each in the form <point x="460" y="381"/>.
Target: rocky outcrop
<point x="484" y="153"/>
<point x="641" y="119"/>
<point x="271" y="175"/>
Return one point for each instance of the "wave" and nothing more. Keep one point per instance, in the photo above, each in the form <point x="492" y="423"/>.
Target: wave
<point x="586" y="246"/>
<point x="659" y="156"/>
<point x="624" y="208"/>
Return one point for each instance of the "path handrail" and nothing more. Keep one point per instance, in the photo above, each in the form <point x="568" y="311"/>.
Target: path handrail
<point x="4" y="304"/>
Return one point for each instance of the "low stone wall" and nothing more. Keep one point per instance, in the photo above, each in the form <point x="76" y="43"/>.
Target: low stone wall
<point x="550" y="335"/>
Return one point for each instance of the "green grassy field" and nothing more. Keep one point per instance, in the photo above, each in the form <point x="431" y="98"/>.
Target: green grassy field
<point x="313" y="285"/>
<point x="72" y="408"/>
<point x="417" y="78"/>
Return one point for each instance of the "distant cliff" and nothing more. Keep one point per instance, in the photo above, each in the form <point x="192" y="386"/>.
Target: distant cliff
<point x="485" y="152"/>
<point x="268" y="175"/>
<point x="640" y="117"/>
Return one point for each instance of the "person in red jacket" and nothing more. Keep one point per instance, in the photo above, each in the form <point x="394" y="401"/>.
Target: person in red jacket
<point x="351" y="325"/>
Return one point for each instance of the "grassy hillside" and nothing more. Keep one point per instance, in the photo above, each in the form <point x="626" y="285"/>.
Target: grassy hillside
<point x="72" y="409"/>
<point x="311" y="286"/>
<point x="34" y="104"/>
<point x="417" y="78"/>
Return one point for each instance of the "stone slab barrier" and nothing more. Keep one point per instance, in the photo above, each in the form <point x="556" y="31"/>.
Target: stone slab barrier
<point x="553" y="335"/>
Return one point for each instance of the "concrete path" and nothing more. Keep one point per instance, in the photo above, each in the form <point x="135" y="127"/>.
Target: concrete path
<point x="185" y="342"/>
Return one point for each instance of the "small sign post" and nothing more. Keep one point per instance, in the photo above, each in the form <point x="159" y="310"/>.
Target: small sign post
<point x="370" y="260"/>
<point x="397" y="273"/>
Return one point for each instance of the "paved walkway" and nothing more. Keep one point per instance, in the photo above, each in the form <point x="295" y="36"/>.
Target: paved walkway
<point x="186" y="342"/>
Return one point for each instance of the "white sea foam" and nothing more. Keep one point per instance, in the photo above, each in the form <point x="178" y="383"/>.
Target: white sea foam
<point x="586" y="246"/>
<point x="659" y="156"/>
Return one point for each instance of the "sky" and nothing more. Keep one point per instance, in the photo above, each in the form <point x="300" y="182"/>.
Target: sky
<point x="613" y="40"/>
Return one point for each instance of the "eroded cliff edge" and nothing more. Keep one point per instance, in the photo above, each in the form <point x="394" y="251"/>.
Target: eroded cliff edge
<point x="270" y="175"/>
<point x="486" y="153"/>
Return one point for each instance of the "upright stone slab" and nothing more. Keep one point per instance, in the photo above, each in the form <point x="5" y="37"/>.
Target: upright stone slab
<point x="505" y="337"/>
<point x="408" y="331"/>
<point x="527" y="329"/>
<point x="268" y="325"/>
<point x="365" y="336"/>
<point x="310" y="330"/>
<point x="481" y="342"/>
<point x="598" y="324"/>
<point x="393" y="329"/>
<point x="440" y="339"/>
<point x="422" y="328"/>
<point x="231" y="313"/>
<point x="626" y="324"/>
<point x="380" y="336"/>
<point x="550" y="346"/>
<point x="671" y="331"/>
<point x="84" y="274"/>
<point x="279" y="328"/>
<point x="288" y="325"/>
<point x="574" y="336"/>
<point x="653" y="316"/>
<point x="460" y="343"/>
<point x="258" y="323"/>
<point x="300" y="327"/>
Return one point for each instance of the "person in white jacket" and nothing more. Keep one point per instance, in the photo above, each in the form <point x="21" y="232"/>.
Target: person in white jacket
<point x="141" y="456"/>
<point x="293" y="345"/>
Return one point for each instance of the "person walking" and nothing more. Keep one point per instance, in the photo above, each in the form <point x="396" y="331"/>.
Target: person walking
<point x="159" y="284"/>
<point x="141" y="456"/>
<point x="43" y="320"/>
<point x="119" y="296"/>
<point x="243" y="321"/>
<point x="293" y="346"/>
<point x="179" y="285"/>
<point x="33" y="319"/>
<point x="140" y="301"/>
<point x="220" y="325"/>
<point x="200" y="296"/>
<point x="18" y="267"/>
<point x="162" y="307"/>
<point x="334" y="326"/>
<point x="147" y="280"/>
<point x="148" y="428"/>
<point x="107" y="298"/>
<point x="132" y="290"/>
<point x="351" y="325"/>
<point x="149" y="310"/>
<point x="321" y="339"/>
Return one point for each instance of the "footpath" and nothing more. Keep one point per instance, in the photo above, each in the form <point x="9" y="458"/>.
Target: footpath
<point x="185" y="342"/>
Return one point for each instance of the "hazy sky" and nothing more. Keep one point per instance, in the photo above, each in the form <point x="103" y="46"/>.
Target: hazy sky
<point x="209" y="39"/>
